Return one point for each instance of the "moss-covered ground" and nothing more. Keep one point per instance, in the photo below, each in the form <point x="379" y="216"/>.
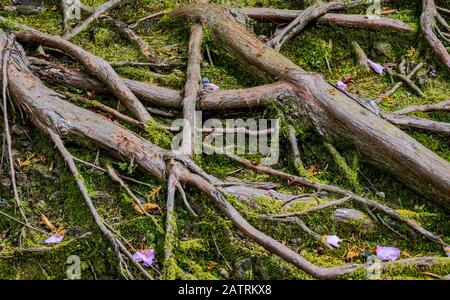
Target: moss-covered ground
<point x="208" y="246"/>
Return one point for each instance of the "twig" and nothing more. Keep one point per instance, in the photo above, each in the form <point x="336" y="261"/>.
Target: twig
<point x="102" y="9"/>
<point x="104" y="108"/>
<point x="24" y="224"/>
<point x="149" y="17"/>
<point x="316" y="208"/>
<point x="300" y="224"/>
<point x="391" y="91"/>
<point x="407" y="81"/>
<point x="133" y="37"/>
<point x="170" y="223"/>
<point x="298" y="164"/>
<point x="441" y="106"/>
<point x="46" y="249"/>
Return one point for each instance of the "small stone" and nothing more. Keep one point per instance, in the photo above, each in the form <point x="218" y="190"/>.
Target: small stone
<point x="241" y="268"/>
<point x="354" y="218"/>
<point x="446" y="277"/>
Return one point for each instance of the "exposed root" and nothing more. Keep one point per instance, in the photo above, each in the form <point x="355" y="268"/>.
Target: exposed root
<point x="192" y="88"/>
<point x="417" y="123"/>
<point x="363" y="61"/>
<point x="99" y="11"/>
<point x="12" y="171"/>
<point x="391" y="91"/>
<point x="428" y="25"/>
<point x="441" y="106"/>
<point x="408" y="82"/>
<point x="117" y="246"/>
<point x="105" y="109"/>
<point x="300" y="22"/>
<point x="95" y="65"/>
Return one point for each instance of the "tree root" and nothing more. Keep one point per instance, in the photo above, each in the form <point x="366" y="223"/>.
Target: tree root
<point x="96" y="66"/>
<point x="441" y="106"/>
<point x="351" y="21"/>
<point x="428" y="24"/>
<point x="99" y="11"/>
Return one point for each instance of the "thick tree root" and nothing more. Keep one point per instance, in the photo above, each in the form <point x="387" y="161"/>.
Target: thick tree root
<point x="96" y="66"/>
<point x="333" y="112"/>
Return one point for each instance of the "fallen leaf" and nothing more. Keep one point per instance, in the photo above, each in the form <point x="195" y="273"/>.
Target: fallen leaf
<point x="148" y="207"/>
<point x="47" y="223"/>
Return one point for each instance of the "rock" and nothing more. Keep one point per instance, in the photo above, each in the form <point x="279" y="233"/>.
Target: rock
<point x="5" y="182"/>
<point x="353" y="218"/>
<point x="446" y="277"/>
<point x="242" y="267"/>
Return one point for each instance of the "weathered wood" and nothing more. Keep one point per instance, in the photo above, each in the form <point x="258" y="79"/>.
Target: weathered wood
<point x="105" y="7"/>
<point x="352" y="21"/>
<point x="333" y="112"/>
<point x="95" y="65"/>
<point x="428" y="24"/>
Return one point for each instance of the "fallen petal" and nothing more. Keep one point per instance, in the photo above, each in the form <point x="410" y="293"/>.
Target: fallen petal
<point x="149" y="256"/>
<point x="138" y="256"/>
<point x="54" y="239"/>
<point x="333" y="240"/>
<point x="388" y="253"/>
<point x="342" y="86"/>
<point x="376" y="67"/>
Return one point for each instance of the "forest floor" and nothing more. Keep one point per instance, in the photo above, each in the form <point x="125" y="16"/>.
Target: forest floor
<point x="209" y="247"/>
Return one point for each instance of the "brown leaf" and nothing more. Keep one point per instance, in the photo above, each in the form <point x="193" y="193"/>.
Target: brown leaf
<point x="148" y="207"/>
<point x="48" y="224"/>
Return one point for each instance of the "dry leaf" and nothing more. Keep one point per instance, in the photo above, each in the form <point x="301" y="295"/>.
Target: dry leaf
<point x="148" y="207"/>
<point x="313" y="170"/>
<point x="47" y="223"/>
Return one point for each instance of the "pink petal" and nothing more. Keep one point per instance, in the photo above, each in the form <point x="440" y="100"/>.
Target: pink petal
<point x="138" y="256"/>
<point x="333" y="240"/>
<point x="147" y="256"/>
<point x="388" y="253"/>
<point x="54" y="239"/>
<point x="342" y="86"/>
<point x="376" y="67"/>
